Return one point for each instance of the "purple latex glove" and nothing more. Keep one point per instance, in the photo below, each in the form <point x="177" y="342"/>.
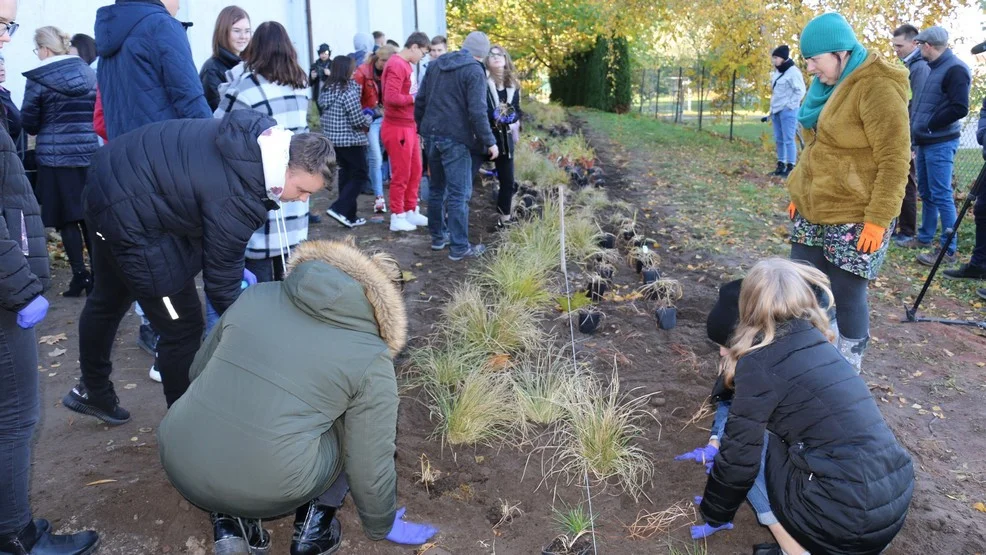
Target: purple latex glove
<point x="368" y="111"/>
<point x="409" y="533"/>
<point x="702" y="455"/>
<point x="705" y="530"/>
<point x="249" y="277"/>
<point x="32" y="314"/>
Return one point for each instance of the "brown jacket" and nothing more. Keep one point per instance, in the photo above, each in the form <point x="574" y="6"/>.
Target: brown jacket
<point x="854" y="165"/>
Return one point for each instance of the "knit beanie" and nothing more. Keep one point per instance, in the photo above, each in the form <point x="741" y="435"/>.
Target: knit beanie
<point x="782" y="52"/>
<point x="829" y="32"/>
<point x="477" y="44"/>
<point x="724" y="317"/>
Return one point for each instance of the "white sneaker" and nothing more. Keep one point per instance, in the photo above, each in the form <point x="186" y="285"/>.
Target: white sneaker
<point x="380" y="206"/>
<point x="154" y="374"/>
<point x="415" y="218"/>
<point x="399" y="222"/>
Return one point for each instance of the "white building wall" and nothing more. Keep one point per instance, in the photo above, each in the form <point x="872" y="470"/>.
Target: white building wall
<point x="333" y="21"/>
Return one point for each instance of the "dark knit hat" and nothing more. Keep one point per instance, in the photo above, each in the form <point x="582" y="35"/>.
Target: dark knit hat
<point x="724" y="317"/>
<point x="324" y="48"/>
<point x="782" y="52"/>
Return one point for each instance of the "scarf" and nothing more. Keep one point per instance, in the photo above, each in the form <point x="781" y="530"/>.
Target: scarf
<point x="819" y="93"/>
<point x="788" y="64"/>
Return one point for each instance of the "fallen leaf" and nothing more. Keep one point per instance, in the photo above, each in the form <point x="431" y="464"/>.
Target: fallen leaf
<point x="408" y="276"/>
<point x="144" y="430"/>
<point x="981" y="364"/>
<point x="949" y="353"/>
<point x="936" y="408"/>
<point x="980" y="507"/>
<point x="100" y="482"/>
<point x="52" y="339"/>
<point x="130" y="386"/>
<point x="133" y="438"/>
<point x="918" y="374"/>
<point x="916" y="406"/>
<point x="56" y="364"/>
<point x="52" y="374"/>
<point x="57" y="352"/>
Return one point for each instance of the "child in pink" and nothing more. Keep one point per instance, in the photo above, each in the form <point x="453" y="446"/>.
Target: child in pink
<point x="399" y="134"/>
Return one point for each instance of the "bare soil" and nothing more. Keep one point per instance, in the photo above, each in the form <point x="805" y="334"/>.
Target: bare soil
<point x="934" y="366"/>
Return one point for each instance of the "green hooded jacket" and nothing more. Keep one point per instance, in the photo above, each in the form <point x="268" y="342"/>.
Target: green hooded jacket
<point x="294" y="385"/>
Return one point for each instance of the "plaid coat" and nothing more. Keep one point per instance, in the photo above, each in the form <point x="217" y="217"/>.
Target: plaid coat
<point x="343" y="120"/>
<point x="246" y="90"/>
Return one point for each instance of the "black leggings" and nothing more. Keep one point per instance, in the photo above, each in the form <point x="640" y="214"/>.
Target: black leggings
<point x="851" y="306"/>
<point x="505" y="173"/>
<point x="73" y="235"/>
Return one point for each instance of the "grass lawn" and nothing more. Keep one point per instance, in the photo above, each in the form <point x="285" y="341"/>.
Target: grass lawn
<point x="716" y="189"/>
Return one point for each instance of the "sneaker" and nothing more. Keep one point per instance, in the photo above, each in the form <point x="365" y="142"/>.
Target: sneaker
<point x="913" y="243"/>
<point x="154" y="374"/>
<point x="981" y="292"/>
<point x="112" y="413"/>
<point x="474" y="251"/>
<point x="415" y="218"/>
<point x="314" y="218"/>
<point x="966" y="271"/>
<point x="344" y="221"/>
<point x="147" y="339"/>
<point x="399" y="222"/>
<point x="440" y="245"/>
<point x="929" y="258"/>
<point x="380" y="206"/>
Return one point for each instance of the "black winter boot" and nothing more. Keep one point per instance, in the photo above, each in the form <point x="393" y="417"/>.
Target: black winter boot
<point x="316" y="530"/>
<point x="788" y="168"/>
<point x="778" y="170"/>
<point x="239" y="536"/>
<point x="767" y="549"/>
<point x="80" y="282"/>
<point x="36" y="539"/>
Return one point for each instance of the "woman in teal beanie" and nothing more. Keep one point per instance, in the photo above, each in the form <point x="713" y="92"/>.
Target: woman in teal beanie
<point x="847" y="189"/>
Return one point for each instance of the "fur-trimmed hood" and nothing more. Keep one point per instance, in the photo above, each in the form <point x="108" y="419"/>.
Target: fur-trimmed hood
<point x="336" y="282"/>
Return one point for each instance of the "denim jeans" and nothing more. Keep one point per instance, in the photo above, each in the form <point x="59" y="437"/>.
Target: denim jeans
<point x="374" y="157"/>
<point x="934" y="166"/>
<point x="757" y="495"/>
<point x="785" y="128"/>
<point x="19" y="413"/>
<point x="451" y="179"/>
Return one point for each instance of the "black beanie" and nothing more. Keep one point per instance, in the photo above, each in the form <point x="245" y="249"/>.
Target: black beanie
<point x="324" y="48"/>
<point x="724" y="317"/>
<point x="782" y="52"/>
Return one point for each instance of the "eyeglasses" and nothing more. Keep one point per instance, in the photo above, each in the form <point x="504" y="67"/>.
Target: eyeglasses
<point x="497" y="55"/>
<point x="8" y="28"/>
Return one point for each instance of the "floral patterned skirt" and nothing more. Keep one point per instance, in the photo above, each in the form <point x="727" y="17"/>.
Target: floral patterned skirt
<point x="838" y="242"/>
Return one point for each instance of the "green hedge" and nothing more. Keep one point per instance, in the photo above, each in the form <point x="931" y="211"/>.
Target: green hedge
<point x="597" y="78"/>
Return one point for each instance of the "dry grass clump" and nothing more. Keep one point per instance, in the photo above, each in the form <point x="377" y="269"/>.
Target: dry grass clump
<point x="519" y="275"/>
<point x="546" y="382"/>
<point x="676" y="516"/>
<point x="477" y="320"/>
<point x="480" y="410"/>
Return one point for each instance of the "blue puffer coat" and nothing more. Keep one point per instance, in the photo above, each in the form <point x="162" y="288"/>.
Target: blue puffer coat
<point x="146" y="72"/>
<point x="58" y="102"/>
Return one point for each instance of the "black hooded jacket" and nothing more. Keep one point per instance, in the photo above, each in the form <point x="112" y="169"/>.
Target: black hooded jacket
<point x="837" y="479"/>
<point x="213" y="74"/>
<point x="58" y="103"/>
<point x="451" y="102"/>
<point x="177" y="197"/>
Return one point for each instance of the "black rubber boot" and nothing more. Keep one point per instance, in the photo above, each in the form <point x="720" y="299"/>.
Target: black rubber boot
<point x="767" y="549"/>
<point x="316" y="530"/>
<point x="36" y="539"/>
<point x="80" y="282"/>
<point x="239" y="536"/>
<point x="778" y="170"/>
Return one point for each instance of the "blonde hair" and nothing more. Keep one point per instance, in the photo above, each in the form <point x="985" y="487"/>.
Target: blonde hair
<point x="53" y="39"/>
<point x="509" y="76"/>
<point x="776" y="290"/>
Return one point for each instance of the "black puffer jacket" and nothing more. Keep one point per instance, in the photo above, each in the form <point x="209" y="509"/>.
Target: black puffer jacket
<point x="837" y="479"/>
<point x="177" y="197"/>
<point x="24" y="269"/>
<point x="213" y="74"/>
<point x="58" y="103"/>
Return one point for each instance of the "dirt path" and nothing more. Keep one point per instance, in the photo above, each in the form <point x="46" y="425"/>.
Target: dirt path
<point x="139" y="512"/>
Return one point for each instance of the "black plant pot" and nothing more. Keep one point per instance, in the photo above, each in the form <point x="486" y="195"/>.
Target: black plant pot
<point x="629" y="234"/>
<point x="650" y="275"/>
<point x="583" y="546"/>
<point x="667" y="318"/>
<point x="596" y="289"/>
<point x="589" y="320"/>
<point x="606" y="272"/>
<point x="639" y="241"/>
<point x="607" y="241"/>
<point x="639" y="266"/>
<point x="528" y="200"/>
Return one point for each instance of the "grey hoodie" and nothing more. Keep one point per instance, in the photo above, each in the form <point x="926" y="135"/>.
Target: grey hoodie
<point x="451" y="102"/>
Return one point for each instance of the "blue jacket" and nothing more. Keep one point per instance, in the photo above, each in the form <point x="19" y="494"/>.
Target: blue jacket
<point x="58" y="103"/>
<point x="146" y="73"/>
<point x="938" y="110"/>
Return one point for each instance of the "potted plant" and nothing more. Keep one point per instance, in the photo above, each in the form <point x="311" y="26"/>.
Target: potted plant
<point x="576" y="537"/>
<point x="640" y="257"/>
<point x="596" y="288"/>
<point x="589" y="320"/>
<point x="650" y="274"/>
<point x="607" y="241"/>
<point x="606" y="270"/>
<point x="665" y="292"/>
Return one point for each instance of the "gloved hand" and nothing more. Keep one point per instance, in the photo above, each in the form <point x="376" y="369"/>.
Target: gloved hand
<point x="765" y="119"/>
<point x="705" y="530"/>
<point x="368" y="111"/>
<point x="32" y="314"/>
<point x="791" y="210"/>
<point x="871" y="238"/>
<point x="249" y="277"/>
<point x="702" y="455"/>
<point x="409" y="533"/>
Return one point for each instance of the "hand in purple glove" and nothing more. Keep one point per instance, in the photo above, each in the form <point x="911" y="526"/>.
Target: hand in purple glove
<point x="32" y="314"/>
<point x="705" y="530"/>
<point x="409" y="533"/>
<point x="249" y="277"/>
<point x="368" y="111"/>
<point x="702" y="455"/>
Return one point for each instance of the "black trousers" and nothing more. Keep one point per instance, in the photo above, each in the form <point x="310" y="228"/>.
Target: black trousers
<point x="505" y="174"/>
<point x="907" y="222"/>
<point x="354" y="174"/>
<point x="177" y="318"/>
<point x="73" y="235"/>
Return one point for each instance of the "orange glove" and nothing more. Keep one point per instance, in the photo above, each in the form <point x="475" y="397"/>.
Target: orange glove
<point x="871" y="238"/>
<point x="791" y="210"/>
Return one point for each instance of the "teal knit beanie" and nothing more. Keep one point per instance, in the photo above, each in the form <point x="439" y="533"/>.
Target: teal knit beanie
<point x="829" y="32"/>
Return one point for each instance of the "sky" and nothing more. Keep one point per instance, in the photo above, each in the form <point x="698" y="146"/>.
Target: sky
<point x="965" y="30"/>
